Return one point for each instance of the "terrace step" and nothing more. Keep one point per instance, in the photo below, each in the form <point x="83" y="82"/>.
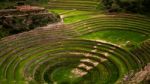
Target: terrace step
<point x="74" y="4"/>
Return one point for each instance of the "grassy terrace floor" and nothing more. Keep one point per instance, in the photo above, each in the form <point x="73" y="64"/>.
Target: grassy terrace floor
<point x="88" y="47"/>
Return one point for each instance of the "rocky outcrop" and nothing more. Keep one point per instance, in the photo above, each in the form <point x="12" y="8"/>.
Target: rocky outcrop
<point x="25" y="18"/>
<point x="140" y="77"/>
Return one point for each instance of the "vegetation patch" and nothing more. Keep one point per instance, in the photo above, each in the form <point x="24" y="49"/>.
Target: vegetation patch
<point x="122" y="38"/>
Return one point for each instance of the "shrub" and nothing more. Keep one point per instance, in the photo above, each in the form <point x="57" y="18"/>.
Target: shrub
<point x="135" y="6"/>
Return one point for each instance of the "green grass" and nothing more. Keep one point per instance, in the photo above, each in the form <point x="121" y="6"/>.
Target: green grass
<point x="71" y="16"/>
<point x="59" y="11"/>
<point x="77" y="16"/>
<point x="69" y="12"/>
<point x="72" y="19"/>
<point x="118" y="37"/>
<point x="63" y="74"/>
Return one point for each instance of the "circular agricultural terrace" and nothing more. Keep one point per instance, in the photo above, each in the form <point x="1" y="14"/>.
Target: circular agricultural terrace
<point x="87" y="47"/>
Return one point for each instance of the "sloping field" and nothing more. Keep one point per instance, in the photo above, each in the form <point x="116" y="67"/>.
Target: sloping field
<point x="96" y="49"/>
<point x="74" y="4"/>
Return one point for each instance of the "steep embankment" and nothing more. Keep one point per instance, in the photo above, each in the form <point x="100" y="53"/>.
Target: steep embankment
<point x="24" y="18"/>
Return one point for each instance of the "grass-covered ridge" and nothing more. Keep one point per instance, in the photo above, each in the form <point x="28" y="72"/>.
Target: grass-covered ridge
<point x="87" y="47"/>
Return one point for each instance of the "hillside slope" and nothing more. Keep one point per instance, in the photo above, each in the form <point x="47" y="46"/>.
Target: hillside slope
<point x="87" y="47"/>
